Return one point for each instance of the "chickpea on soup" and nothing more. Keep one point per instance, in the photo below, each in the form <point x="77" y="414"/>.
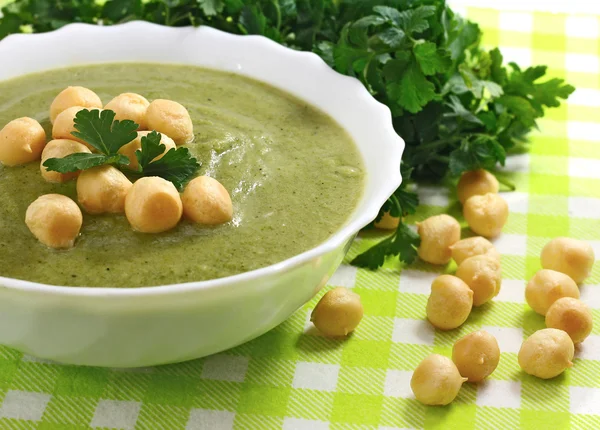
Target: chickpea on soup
<point x="277" y="177"/>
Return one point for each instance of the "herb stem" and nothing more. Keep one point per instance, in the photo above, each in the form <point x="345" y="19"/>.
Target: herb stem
<point x="396" y="203"/>
<point x="278" y="10"/>
<point x="436" y="144"/>
<point x="508" y="184"/>
<point x="442" y="158"/>
<point x="179" y="18"/>
<point x="167" y="15"/>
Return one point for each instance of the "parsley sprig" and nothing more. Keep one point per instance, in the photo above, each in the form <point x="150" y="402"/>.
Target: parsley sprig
<point x="100" y="130"/>
<point x="177" y="165"/>
<point x="404" y="241"/>
<point x="456" y="105"/>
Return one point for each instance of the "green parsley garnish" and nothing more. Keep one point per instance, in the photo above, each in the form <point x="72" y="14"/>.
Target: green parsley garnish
<point x="107" y="136"/>
<point x="177" y="165"/>
<point x="102" y="132"/>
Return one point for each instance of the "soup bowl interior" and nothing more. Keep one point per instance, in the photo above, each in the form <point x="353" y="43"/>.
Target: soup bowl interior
<point x="171" y="323"/>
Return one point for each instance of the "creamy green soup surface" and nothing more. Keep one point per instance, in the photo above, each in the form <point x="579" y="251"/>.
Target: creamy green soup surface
<point x="293" y="173"/>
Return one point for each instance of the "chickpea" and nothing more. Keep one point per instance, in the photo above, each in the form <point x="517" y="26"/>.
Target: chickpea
<point x="21" y="141"/>
<point x="153" y="205"/>
<point x="338" y="312"/>
<point x="206" y="201"/>
<point x="476" y="183"/>
<point x="471" y="247"/>
<point x="172" y="119"/>
<point x="546" y="353"/>
<point x="449" y="303"/>
<point x="74" y="96"/>
<point x="387" y="222"/>
<point x="55" y="220"/>
<point x="130" y="149"/>
<point x="64" y="126"/>
<point x="60" y="148"/>
<point x="572" y="316"/>
<point x="476" y="355"/>
<point x="436" y="380"/>
<point x="483" y="275"/>
<point x="102" y="190"/>
<point x="487" y="214"/>
<point x="130" y="106"/>
<point x="570" y="256"/>
<point x="546" y="287"/>
<point x="438" y="233"/>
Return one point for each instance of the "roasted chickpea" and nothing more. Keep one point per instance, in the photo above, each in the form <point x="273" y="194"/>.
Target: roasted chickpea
<point x="172" y="119"/>
<point x="570" y="256"/>
<point x="64" y="126"/>
<point x="546" y="287"/>
<point x="483" y="275"/>
<point x="74" y="96"/>
<point x="476" y="355"/>
<point x="572" y="316"/>
<point x="387" y="222"/>
<point x="21" y="141"/>
<point x="55" y="220"/>
<point x="153" y="205"/>
<point x="206" y="201"/>
<point x="449" y="303"/>
<point x="436" y="380"/>
<point x="130" y="106"/>
<point x="102" y="190"/>
<point x="471" y="247"/>
<point x="130" y="149"/>
<point x="476" y="183"/>
<point x="547" y="353"/>
<point x="338" y="312"/>
<point x="60" y="148"/>
<point x="438" y="233"/>
<point x="487" y="214"/>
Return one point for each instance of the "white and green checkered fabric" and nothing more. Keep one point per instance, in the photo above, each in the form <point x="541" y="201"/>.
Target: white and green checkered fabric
<point x="294" y="379"/>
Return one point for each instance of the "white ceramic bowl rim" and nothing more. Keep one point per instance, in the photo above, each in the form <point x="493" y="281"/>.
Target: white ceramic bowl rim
<point x="270" y="48"/>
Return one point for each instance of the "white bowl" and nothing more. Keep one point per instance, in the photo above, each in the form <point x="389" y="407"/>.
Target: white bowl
<point x="165" y="324"/>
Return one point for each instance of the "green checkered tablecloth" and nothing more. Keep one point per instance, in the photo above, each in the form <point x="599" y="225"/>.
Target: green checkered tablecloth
<point x="292" y="378"/>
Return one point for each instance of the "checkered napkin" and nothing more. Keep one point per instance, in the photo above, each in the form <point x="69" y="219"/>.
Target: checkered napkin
<point x="292" y="378"/>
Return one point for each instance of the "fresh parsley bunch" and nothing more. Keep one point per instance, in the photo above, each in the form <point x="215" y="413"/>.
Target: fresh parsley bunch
<point x="456" y="105"/>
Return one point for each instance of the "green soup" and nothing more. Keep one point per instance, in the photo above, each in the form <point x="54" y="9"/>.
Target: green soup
<point x="293" y="173"/>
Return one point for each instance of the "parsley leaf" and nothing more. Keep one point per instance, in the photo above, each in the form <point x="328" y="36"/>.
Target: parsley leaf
<point x="83" y="161"/>
<point x="460" y="111"/>
<point x="549" y="92"/>
<point x="497" y="72"/>
<point x="391" y="37"/>
<point x="388" y="13"/>
<point x="403" y="243"/>
<point x="253" y="21"/>
<point x="415" y="20"/>
<point x="100" y="130"/>
<point x="462" y="35"/>
<point x="473" y="154"/>
<point x="150" y="149"/>
<point x="211" y="7"/>
<point x="177" y="165"/>
<point x="431" y="59"/>
<point x="520" y="107"/>
<point x="414" y="90"/>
